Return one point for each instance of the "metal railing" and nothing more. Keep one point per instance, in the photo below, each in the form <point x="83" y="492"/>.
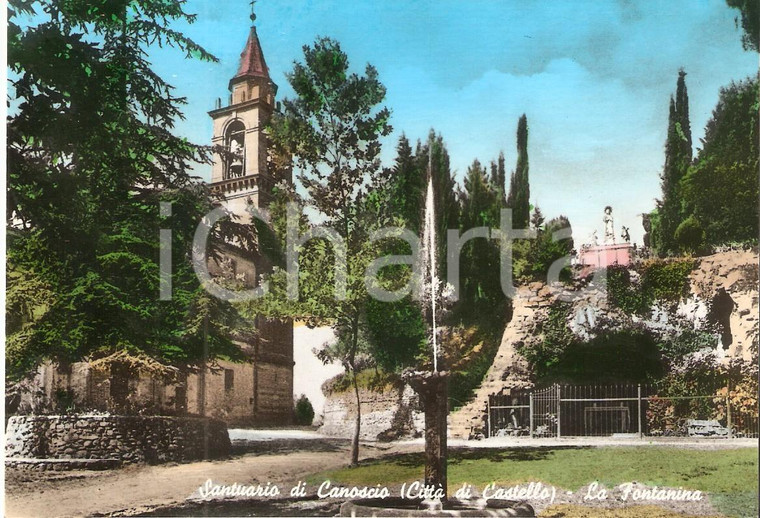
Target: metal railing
<point x="623" y="409"/>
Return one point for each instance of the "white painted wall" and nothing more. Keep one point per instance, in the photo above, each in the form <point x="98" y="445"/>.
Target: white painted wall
<point x="308" y="371"/>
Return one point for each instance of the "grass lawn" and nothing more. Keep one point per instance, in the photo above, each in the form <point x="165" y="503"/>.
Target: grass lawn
<point x="730" y="476"/>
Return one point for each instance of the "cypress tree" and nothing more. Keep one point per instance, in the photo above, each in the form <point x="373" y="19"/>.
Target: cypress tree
<point x="519" y="185"/>
<point x="678" y="158"/>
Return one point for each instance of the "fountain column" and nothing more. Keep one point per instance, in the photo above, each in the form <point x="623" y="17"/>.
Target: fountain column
<point x="433" y="390"/>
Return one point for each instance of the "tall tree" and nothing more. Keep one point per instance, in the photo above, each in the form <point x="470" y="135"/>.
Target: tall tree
<point x="433" y="154"/>
<point x="406" y="186"/>
<point x="519" y="186"/>
<point x="332" y="128"/>
<point x="498" y="177"/>
<point x="720" y="192"/>
<point x="480" y="206"/>
<point x="90" y="155"/>
<point x="678" y="157"/>
<point x="750" y="21"/>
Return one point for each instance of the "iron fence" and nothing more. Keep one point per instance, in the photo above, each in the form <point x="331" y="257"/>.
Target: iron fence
<point x="624" y="409"/>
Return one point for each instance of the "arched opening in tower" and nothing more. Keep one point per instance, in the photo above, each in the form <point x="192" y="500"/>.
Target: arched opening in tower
<point x="235" y="141"/>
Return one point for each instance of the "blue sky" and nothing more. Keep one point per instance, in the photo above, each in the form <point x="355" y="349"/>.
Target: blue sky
<point x="594" y="79"/>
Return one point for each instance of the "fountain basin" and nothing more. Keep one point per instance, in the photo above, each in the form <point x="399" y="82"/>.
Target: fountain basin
<point x="410" y="507"/>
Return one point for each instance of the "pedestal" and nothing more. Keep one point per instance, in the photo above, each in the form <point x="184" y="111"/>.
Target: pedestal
<point x="432" y="388"/>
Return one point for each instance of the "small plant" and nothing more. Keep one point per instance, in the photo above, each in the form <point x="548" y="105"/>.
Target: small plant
<point x="304" y="411"/>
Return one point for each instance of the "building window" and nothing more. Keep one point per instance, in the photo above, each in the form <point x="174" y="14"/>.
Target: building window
<point x="229" y="379"/>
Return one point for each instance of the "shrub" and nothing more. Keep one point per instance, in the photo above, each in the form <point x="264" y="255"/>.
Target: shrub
<point x="690" y="235"/>
<point x="304" y="411"/>
<point x="660" y="281"/>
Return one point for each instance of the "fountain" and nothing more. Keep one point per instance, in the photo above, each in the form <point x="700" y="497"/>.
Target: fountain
<point x="432" y="387"/>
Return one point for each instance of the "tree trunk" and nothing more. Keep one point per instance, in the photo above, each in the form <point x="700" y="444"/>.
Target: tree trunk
<point x="357" y="427"/>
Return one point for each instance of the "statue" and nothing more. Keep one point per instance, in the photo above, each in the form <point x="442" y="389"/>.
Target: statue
<point x="625" y="235"/>
<point x="609" y="227"/>
<point x="594" y="238"/>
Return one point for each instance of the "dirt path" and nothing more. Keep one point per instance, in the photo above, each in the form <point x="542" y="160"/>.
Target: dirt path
<point x="144" y="487"/>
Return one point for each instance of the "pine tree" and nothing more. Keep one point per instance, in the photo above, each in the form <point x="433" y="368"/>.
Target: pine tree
<point x="480" y="206"/>
<point x="407" y="186"/>
<point x="519" y="185"/>
<point x="678" y="157"/>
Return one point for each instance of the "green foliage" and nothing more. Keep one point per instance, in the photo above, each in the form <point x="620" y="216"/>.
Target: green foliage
<point x="750" y="20"/>
<point x="659" y="281"/>
<point x="623" y="295"/>
<point x="557" y="338"/>
<point x="304" y="411"/>
<point x="721" y="189"/>
<point x="675" y="349"/>
<point x="701" y="374"/>
<point x="678" y="156"/>
<point x="729" y="471"/>
<point x="690" y="236"/>
<point x="398" y="334"/>
<point x="90" y="156"/>
<point x="666" y="280"/>
<point x="407" y="186"/>
<point x="519" y="186"/>
<point x="369" y="379"/>
<point x="332" y="129"/>
<point x="476" y="346"/>
<point x="479" y="259"/>
<point x="532" y="259"/>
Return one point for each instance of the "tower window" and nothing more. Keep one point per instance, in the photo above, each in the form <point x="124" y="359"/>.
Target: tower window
<point x="229" y="379"/>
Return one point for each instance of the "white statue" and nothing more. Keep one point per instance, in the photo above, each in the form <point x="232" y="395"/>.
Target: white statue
<point x="609" y="226"/>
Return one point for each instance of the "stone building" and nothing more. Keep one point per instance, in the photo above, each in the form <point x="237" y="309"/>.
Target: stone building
<point x="260" y="389"/>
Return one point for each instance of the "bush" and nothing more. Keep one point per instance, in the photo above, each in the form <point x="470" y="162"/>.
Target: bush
<point x="690" y="235"/>
<point x="304" y="411"/>
<point x="660" y="281"/>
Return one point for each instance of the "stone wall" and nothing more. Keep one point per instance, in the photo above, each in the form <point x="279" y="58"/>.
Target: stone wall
<point x="729" y="278"/>
<point x="128" y="439"/>
<point x="389" y="415"/>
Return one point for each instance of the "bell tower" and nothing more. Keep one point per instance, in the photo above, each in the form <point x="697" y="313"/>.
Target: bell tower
<point x="240" y="171"/>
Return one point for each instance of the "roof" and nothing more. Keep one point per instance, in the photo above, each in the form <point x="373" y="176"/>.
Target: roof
<point x="252" y="62"/>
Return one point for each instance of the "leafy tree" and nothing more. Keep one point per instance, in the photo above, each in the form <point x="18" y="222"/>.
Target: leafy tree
<point x="519" y="186"/>
<point x="678" y="156"/>
<point x="750" y="19"/>
<point x="304" y="411"/>
<point x="721" y="190"/>
<point x="332" y="129"/>
<point x="90" y="155"/>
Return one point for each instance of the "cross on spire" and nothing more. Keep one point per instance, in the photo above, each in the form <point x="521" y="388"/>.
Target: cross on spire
<point x="253" y="14"/>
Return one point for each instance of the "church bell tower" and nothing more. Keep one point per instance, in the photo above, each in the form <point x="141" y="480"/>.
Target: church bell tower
<point x="240" y="171"/>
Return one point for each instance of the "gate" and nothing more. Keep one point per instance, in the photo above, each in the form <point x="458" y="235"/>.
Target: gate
<point x="545" y="412"/>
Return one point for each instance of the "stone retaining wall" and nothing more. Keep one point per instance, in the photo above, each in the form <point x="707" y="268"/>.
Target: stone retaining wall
<point x="129" y="439"/>
<point x="393" y="414"/>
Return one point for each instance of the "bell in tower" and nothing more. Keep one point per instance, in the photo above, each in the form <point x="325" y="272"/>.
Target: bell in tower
<point x="240" y="169"/>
